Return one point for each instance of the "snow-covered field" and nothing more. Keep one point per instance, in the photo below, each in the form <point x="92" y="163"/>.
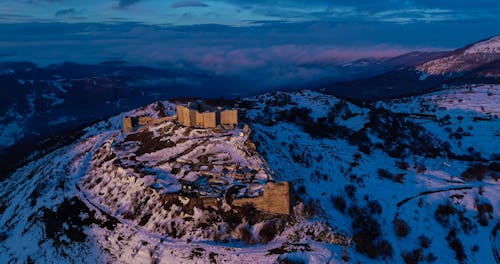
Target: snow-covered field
<point x="467" y="117"/>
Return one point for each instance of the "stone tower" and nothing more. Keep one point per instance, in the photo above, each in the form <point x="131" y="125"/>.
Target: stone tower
<point x="127" y="125"/>
<point x="229" y="117"/>
<point x="200" y="115"/>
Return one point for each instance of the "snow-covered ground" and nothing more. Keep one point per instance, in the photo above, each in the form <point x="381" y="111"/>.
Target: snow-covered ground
<point x="489" y="46"/>
<point x="398" y="179"/>
<point x="467" y="117"/>
<point x="104" y="198"/>
<point x="331" y="167"/>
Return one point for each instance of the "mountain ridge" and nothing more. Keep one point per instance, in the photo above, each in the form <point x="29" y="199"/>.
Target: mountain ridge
<point x="448" y="69"/>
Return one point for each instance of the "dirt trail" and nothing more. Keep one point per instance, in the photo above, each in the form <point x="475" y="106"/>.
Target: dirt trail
<point x="431" y="192"/>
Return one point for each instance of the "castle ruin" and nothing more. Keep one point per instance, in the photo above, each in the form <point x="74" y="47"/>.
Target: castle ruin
<point x="197" y="114"/>
<point x="194" y="114"/>
<point x="130" y="123"/>
<point x="276" y="197"/>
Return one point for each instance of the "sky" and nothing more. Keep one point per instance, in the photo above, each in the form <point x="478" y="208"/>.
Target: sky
<point x="243" y="12"/>
<point x="296" y="38"/>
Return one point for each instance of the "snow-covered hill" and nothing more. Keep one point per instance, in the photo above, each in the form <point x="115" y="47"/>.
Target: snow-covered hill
<point x="412" y="180"/>
<point x="489" y="46"/>
<point x="404" y="180"/>
<point x="465" y="59"/>
<point x="106" y="198"/>
<point x="478" y="63"/>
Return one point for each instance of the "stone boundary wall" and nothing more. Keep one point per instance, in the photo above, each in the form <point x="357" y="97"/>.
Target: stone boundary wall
<point x="276" y="199"/>
<point x="130" y="123"/>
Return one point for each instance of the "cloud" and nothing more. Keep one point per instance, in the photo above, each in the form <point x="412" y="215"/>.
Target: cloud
<point x="66" y="12"/>
<point x="41" y="1"/>
<point x="193" y="3"/>
<point x="393" y="11"/>
<point x="243" y="12"/>
<point x="126" y="3"/>
<point x="267" y="54"/>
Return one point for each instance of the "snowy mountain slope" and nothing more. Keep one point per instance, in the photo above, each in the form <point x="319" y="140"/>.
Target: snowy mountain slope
<point x="467" y="116"/>
<point x="491" y="45"/>
<point x="398" y="179"/>
<point x="438" y="205"/>
<point x="474" y="64"/>
<point x="465" y="59"/>
<point x="105" y="197"/>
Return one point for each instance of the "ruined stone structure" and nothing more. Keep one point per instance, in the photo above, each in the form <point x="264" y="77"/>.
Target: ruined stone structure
<point x="209" y="119"/>
<point x="229" y="117"/>
<point x="276" y="199"/>
<point x="131" y="123"/>
<point x="201" y="115"/>
<point x="127" y="125"/>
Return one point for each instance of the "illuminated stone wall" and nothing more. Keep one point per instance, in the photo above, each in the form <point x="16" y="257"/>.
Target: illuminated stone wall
<point x="276" y="199"/>
<point x="229" y="117"/>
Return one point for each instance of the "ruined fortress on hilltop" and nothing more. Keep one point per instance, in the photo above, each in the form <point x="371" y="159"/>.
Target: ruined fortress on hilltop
<point x="276" y="197"/>
<point x="192" y="114"/>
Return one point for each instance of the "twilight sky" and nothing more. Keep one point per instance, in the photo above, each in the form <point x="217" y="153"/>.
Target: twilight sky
<point x="243" y="12"/>
<point x="294" y="38"/>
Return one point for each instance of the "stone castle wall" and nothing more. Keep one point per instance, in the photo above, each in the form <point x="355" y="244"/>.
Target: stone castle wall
<point x="145" y="120"/>
<point x="276" y="199"/>
<point x="210" y="119"/>
<point x="183" y="115"/>
<point x="229" y="117"/>
<point x="186" y="117"/>
<point x="130" y="123"/>
<point x="198" y="118"/>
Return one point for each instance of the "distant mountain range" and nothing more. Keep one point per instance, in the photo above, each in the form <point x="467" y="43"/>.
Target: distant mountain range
<point x="475" y="63"/>
<point x="46" y="102"/>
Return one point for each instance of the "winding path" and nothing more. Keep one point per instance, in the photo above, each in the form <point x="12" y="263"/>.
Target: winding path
<point x="433" y="191"/>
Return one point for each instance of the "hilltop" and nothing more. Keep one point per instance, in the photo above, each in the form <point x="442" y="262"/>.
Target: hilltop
<point x="117" y="197"/>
